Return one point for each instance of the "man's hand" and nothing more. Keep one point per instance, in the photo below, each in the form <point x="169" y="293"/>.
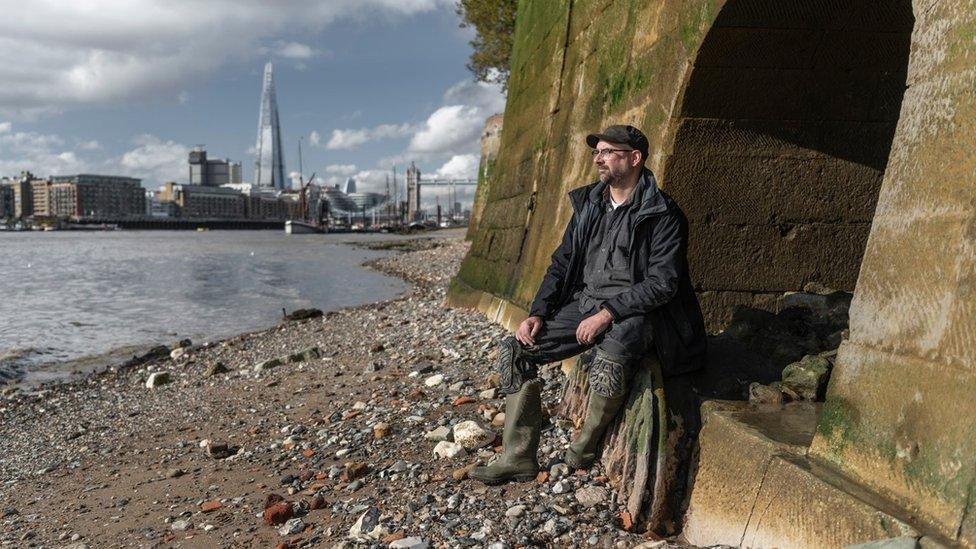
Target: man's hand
<point x="527" y="330"/>
<point x="593" y="326"/>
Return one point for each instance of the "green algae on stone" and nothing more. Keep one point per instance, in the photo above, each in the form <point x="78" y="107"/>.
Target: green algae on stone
<point x="807" y="378"/>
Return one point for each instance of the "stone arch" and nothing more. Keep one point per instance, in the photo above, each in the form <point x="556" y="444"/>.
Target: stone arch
<point x="780" y="139"/>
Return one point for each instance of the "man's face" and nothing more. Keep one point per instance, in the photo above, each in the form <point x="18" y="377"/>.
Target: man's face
<point x="616" y="163"/>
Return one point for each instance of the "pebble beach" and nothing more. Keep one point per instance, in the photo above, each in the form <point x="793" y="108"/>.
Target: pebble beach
<point x="352" y="429"/>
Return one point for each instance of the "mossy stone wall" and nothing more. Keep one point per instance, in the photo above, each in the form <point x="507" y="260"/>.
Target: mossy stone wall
<point x="781" y="192"/>
<point x="747" y="107"/>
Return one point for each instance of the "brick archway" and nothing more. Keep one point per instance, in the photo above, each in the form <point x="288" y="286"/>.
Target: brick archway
<point x="780" y="142"/>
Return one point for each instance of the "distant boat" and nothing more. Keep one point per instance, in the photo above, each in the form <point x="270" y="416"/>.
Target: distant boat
<point x="293" y="226"/>
<point x="90" y="227"/>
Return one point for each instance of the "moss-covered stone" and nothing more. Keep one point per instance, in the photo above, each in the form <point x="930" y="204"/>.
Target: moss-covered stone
<point x="807" y="378"/>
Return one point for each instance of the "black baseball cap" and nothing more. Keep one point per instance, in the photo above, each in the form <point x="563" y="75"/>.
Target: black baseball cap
<point x="625" y="135"/>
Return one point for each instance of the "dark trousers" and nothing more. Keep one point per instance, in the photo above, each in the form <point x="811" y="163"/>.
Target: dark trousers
<point x="623" y="341"/>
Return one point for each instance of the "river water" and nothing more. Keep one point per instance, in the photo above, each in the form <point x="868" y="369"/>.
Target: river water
<point x="65" y="296"/>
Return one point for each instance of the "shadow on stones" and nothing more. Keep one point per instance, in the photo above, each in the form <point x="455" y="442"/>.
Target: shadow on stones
<point x="757" y="344"/>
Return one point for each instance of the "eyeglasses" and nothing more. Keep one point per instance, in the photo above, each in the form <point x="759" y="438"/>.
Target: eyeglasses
<point x="606" y="152"/>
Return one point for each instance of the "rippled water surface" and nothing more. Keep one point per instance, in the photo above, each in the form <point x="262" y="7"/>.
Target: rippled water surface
<point x="66" y="295"/>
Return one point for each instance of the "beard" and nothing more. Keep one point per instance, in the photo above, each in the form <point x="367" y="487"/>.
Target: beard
<point x="609" y="176"/>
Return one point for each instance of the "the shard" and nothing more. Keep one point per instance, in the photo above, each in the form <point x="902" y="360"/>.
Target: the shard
<point x="269" y="167"/>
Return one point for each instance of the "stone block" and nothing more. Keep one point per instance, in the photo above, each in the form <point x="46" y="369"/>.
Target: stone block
<point x="736" y="446"/>
<point x="861" y="50"/>
<point x="766" y="258"/>
<point x="891" y="422"/>
<point x="718" y="306"/>
<point x="801" y="505"/>
<point x="756" y="47"/>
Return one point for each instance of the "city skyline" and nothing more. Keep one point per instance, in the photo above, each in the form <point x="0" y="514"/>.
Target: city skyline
<point x="368" y="87"/>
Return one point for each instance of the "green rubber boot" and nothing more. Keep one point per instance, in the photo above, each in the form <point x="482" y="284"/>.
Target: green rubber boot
<point x="600" y="411"/>
<point x="520" y="439"/>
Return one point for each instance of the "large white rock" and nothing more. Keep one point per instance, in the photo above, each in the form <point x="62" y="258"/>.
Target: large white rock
<point x="588" y="496"/>
<point x="471" y="435"/>
<point x="367" y="525"/>
<point x="448" y="450"/>
<point x="156" y="379"/>
<point x="434" y="380"/>
<point x="412" y="542"/>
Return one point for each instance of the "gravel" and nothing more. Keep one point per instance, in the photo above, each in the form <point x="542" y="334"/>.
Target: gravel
<point x="339" y="434"/>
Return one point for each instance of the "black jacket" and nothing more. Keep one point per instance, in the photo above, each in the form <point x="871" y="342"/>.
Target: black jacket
<point x="662" y="288"/>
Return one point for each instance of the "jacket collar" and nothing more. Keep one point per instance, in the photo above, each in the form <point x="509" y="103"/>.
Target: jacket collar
<point x="646" y="194"/>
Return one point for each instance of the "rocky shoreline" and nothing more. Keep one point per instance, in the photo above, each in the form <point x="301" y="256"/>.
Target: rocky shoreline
<point x="355" y="428"/>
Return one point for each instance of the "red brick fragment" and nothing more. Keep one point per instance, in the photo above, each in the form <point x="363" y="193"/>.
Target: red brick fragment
<point x="626" y="520"/>
<point x="279" y="513"/>
<point x="210" y="506"/>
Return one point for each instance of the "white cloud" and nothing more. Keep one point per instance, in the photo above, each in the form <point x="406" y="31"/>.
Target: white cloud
<point x="373" y="181"/>
<point x="449" y="129"/>
<point x="5" y="127"/>
<point x="455" y="129"/>
<point x="486" y="97"/>
<point x="315" y="138"/>
<point x="340" y="169"/>
<point x="460" y="166"/>
<point x="294" y="50"/>
<point x="352" y="138"/>
<point x="155" y="161"/>
<point x="41" y="154"/>
<point x="62" y="54"/>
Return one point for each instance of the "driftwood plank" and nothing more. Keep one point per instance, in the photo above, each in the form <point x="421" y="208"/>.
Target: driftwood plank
<point x="634" y="455"/>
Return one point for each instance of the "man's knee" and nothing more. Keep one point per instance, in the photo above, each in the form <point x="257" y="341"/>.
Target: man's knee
<point x="626" y="341"/>
<point x="608" y="375"/>
<point x="513" y="368"/>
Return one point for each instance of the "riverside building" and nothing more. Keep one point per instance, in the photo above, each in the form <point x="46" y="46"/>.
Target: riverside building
<point x="6" y="201"/>
<point x="21" y="195"/>
<point x="212" y="172"/>
<point x="202" y="201"/>
<point x="41" y="197"/>
<point x="100" y="196"/>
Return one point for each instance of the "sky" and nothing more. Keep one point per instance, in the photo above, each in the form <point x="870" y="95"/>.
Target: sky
<point x="128" y="87"/>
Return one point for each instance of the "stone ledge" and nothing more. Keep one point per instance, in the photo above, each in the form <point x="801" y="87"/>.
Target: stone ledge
<point x="498" y="310"/>
<point x="756" y="488"/>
